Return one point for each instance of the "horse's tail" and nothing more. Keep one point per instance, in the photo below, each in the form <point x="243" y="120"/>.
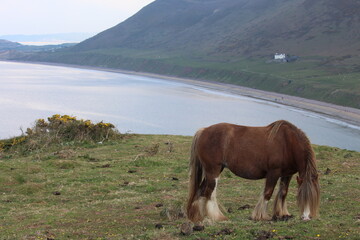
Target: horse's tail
<point x="309" y="191"/>
<point x="195" y="179"/>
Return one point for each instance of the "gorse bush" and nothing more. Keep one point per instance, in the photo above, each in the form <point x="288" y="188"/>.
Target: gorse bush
<point x="8" y="143"/>
<point x="67" y="128"/>
<point x="60" y="129"/>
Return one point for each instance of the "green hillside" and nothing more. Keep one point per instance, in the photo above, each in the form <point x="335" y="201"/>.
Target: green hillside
<point x="234" y="41"/>
<point x="6" y="45"/>
<point x="10" y="49"/>
<point x="233" y="28"/>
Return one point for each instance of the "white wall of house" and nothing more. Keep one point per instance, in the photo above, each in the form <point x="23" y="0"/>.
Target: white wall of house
<point x="279" y="56"/>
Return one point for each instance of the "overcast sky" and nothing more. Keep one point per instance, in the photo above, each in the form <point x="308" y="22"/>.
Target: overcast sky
<point x="64" y="16"/>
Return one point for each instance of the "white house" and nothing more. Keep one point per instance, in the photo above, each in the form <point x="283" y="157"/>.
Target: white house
<point x="279" y="56"/>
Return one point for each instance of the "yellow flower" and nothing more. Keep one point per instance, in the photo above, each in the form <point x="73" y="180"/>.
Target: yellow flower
<point x="87" y="123"/>
<point x="18" y="140"/>
<point x="55" y="116"/>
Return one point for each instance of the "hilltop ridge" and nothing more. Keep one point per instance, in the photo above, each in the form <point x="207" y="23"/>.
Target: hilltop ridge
<point x="6" y="45"/>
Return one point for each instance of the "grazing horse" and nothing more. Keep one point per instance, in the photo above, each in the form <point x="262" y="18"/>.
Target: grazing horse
<point x="278" y="150"/>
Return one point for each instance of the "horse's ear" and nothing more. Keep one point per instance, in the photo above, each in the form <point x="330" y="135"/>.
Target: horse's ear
<point x="299" y="180"/>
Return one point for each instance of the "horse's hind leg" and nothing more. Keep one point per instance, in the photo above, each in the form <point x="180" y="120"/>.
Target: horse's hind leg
<point x="280" y="208"/>
<point x="206" y="205"/>
<point x="212" y="209"/>
<point x="259" y="212"/>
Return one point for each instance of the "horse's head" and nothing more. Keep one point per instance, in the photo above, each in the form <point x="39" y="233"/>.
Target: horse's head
<point x="314" y="179"/>
<point x="308" y="195"/>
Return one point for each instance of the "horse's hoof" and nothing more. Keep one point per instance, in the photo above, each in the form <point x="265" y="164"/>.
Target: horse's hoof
<point x="305" y="218"/>
<point x="222" y="218"/>
<point x="282" y="218"/>
<point x="261" y="218"/>
<point x="218" y="218"/>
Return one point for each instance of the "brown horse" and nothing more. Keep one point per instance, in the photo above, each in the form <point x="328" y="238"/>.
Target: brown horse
<point x="278" y="150"/>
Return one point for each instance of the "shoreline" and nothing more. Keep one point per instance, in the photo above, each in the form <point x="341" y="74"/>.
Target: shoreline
<point x="342" y="113"/>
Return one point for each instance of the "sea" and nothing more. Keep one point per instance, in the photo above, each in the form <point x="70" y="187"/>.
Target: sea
<point x="145" y="105"/>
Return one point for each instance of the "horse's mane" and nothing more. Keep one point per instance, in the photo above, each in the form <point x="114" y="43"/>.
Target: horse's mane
<point x="307" y="189"/>
<point x="275" y="128"/>
<point x="310" y="155"/>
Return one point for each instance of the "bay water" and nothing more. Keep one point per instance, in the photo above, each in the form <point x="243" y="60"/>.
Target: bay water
<point x="146" y="105"/>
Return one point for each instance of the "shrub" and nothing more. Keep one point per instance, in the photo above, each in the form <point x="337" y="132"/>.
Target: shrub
<point x="8" y="143"/>
<point x="61" y="129"/>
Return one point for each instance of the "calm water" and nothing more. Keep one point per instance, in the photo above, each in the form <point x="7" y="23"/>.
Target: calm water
<point x="144" y="105"/>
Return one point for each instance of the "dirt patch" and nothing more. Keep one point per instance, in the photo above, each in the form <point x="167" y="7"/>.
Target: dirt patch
<point x="283" y="218"/>
<point x="223" y="232"/>
<point x="65" y="154"/>
<point x="327" y="171"/>
<point x="159" y="226"/>
<point x="199" y="228"/>
<point x="246" y="206"/>
<point x="105" y="166"/>
<point x="172" y="213"/>
<point x="152" y="150"/>
<point x="263" y="235"/>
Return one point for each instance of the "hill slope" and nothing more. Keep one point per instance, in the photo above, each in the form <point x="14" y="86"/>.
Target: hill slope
<point x="250" y="27"/>
<point x="233" y="41"/>
<point x="7" y="45"/>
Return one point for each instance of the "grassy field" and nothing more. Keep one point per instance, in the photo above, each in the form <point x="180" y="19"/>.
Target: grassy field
<point x="136" y="187"/>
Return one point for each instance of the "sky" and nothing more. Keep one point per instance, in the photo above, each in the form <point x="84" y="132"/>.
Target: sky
<point x="31" y="17"/>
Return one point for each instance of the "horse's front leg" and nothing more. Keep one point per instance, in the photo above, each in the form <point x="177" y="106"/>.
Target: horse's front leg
<point x="280" y="207"/>
<point x="260" y="211"/>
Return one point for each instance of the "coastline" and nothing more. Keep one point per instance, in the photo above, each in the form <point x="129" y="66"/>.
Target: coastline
<point x="342" y="113"/>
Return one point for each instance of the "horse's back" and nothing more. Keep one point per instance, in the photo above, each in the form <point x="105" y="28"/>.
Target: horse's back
<point x="240" y="148"/>
<point x="232" y="133"/>
<point x="249" y="152"/>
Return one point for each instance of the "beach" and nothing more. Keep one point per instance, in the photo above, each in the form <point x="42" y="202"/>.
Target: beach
<point x="342" y="113"/>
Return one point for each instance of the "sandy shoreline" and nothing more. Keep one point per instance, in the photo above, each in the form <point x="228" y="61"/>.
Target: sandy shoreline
<point x="346" y="114"/>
